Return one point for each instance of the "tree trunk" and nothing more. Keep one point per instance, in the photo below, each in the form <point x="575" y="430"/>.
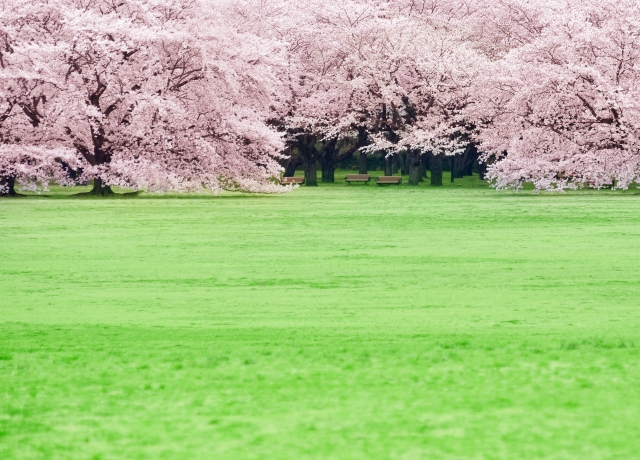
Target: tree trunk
<point x="404" y="163"/>
<point x="7" y="186"/>
<point x="413" y="158"/>
<point x="310" y="175"/>
<point x="328" y="173"/>
<point x="308" y="153"/>
<point x="468" y="168"/>
<point x="423" y="166"/>
<point x="471" y="155"/>
<point x="436" y="169"/>
<point x="292" y="165"/>
<point x="99" y="189"/>
<point x="394" y="163"/>
<point x="459" y="164"/>
<point x="482" y="170"/>
<point x="452" y="163"/>
<point x="388" y="171"/>
<point x="362" y="166"/>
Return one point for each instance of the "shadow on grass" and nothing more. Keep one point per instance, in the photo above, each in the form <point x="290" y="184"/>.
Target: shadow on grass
<point x="468" y="183"/>
<point x="63" y="193"/>
<point x="101" y="197"/>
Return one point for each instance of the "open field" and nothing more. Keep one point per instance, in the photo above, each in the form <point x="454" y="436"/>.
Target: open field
<point x="335" y="322"/>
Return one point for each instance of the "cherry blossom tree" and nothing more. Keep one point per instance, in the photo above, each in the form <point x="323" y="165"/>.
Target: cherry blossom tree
<point x="160" y="95"/>
<point x="191" y="95"/>
<point x="409" y="77"/>
<point x="31" y="153"/>
<point x="329" y="112"/>
<point x="395" y="75"/>
<point x="564" y="105"/>
<point x="168" y="96"/>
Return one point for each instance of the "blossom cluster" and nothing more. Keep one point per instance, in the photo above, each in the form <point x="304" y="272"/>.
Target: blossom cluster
<point x="547" y="90"/>
<point x="147" y="94"/>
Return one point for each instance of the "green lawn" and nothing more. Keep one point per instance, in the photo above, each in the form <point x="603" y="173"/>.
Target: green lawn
<point x="335" y="322"/>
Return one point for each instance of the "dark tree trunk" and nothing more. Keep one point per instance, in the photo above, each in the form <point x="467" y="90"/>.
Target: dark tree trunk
<point x="413" y="158"/>
<point x="388" y="171"/>
<point x="404" y="163"/>
<point x="99" y="189"/>
<point x="328" y="172"/>
<point x="473" y="157"/>
<point x="452" y="163"/>
<point x="460" y="162"/>
<point x="466" y="160"/>
<point x="328" y="159"/>
<point x="310" y="174"/>
<point x="423" y="166"/>
<point x="436" y="169"/>
<point x="468" y="168"/>
<point x="333" y="152"/>
<point x="7" y="186"/>
<point x="96" y="157"/>
<point x="482" y="170"/>
<point x="308" y="153"/>
<point x="292" y="164"/>
<point x="289" y="172"/>
<point x="362" y="165"/>
<point x="394" y="163"/>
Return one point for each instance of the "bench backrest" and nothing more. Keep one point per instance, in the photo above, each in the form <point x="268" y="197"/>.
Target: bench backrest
<point x="392" y="179"/>
<point x="292" y="180"/>
<point x="358" y="176"/>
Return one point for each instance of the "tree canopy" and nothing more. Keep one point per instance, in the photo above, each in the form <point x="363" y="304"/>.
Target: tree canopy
<point x="190" y="95"/>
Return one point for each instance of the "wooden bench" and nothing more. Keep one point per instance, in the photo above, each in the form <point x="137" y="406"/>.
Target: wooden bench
<point x="397" y="180"/>
<point x="358" y="178"/>
<point x="292" y="180"/>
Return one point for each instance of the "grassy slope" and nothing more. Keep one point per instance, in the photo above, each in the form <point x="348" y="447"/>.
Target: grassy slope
<point x="337" y="322"/>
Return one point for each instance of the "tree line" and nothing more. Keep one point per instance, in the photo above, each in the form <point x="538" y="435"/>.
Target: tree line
<point x="189" y="95"/>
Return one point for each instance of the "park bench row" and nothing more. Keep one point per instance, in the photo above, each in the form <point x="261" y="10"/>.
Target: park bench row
<point x="364" y="178"/>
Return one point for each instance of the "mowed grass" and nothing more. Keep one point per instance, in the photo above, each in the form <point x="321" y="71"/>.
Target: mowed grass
<point x="335" y="322"/>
